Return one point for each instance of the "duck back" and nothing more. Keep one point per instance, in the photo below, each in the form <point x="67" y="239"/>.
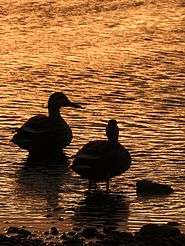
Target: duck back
<point x="100" y="160"/>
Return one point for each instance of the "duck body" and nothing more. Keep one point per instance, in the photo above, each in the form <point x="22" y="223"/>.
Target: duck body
<point x="101" y="160"/>
<point x="40" y="131"/>
<point x="43" y="135"/>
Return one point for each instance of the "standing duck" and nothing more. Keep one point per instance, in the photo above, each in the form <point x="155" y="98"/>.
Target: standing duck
<point x="44" y="136"/>
<point x="100" y="160"/>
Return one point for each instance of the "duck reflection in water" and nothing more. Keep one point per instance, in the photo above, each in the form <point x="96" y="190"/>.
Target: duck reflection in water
<point x="45" y="136"/>
<point x="102" y="209"/>
<point x="39" y="185"/>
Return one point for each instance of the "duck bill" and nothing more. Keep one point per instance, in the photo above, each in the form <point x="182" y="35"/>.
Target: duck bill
<point x="74" y="105"/>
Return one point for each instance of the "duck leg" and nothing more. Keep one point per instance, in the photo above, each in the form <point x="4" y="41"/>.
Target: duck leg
<point x="107" y="186"/>
<point x="90" y="185"/>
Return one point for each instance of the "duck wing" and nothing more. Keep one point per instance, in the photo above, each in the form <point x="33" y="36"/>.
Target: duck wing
<point x="37" y="124"/>
<point x="32" y="132"/>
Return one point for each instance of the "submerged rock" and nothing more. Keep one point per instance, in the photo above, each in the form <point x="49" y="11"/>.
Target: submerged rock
<point x="147" y="187"/>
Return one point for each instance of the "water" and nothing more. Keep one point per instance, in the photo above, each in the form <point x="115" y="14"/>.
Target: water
<point x="121" y="59"/>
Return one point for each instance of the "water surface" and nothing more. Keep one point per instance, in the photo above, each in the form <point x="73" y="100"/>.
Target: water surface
<point x="122" y="60"/>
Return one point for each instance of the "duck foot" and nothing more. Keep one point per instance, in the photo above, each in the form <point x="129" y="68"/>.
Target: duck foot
<point x="92" y="186"/>
<point x="107" y="186"/>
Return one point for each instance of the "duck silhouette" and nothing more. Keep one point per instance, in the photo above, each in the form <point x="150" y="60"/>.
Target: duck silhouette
<point x="45" y="136"/>
<point x="101" y="160"/>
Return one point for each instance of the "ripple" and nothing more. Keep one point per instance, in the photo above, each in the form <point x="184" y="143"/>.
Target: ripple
<point x="119" y="64"/>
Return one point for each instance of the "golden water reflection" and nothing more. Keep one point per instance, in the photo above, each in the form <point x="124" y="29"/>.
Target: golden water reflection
<point x="121" y="59"/>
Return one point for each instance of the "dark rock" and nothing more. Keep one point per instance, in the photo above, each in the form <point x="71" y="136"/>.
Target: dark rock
<point x="58" y="208"/>
<point x="24" y="232"/>
<point x="6" y="241"/>
<point x="17" y="240"/>
<point x="63" y="236"/>
<point x="54" y="231"/>
<point x="53" y="244"/>
<point x="20" y="231"/>
<point x="122" y="237"/>
<point x="100" y="236"/>
<point x="91" y="243"/>
<point x="77" y="228"/>
<point x="60" y="219"/>
<point x="33" y="242"/>
<point x="106" y="242"/>
<point x="72" y="238"/>
<point x="72" y="233"/>
<point x="173" y="223"/>
<point x="144" y="187"/>
<point x="12" y="230"/>
<point x="150" y="231"/>
<point x="74" y="241"/>
<point x="148" y="235"/>
<point x="49" y="215"/>
<point x="2" y="237"/>
<point x="108" y="229"/>
<point x="46" y="233"/>
<point x="89" y="232"/>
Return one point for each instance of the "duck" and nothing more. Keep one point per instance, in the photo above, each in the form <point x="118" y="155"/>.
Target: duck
<point x="44" y="135"/>
<point x="101" y="160"/>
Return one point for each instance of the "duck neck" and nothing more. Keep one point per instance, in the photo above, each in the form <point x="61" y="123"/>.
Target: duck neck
<point x="113" y="140"/>
<point x="112" y="135"/>
<point x="54" y="112"/>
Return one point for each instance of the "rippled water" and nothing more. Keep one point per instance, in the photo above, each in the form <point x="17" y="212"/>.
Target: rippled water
<point x="121" y="59"/>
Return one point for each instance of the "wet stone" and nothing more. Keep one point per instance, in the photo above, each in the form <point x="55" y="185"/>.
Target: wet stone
<point x="151" y="231"/>
<point x="91" y="243"/>
<point x="105" y="242"/>
<point x="122" y="237"/>
<point x="72" y="233"/>
<point x="20" y="231"/>
<point x="147" y="187"/>
<point x="12" y="230"/>
<point x="109" y="229"/>
<point x="60" y="219"/>
<point x="173" y="223"/>
<point x="49" y="215"/>
<point x="89" y="232"/>
<point x="148" y="235"/>
<point x="73" y="242"/>
<point x="77" y="229"/>
<point x="46" y="233"/>
<point x="54" y="231"/>
<point x="100" y="236"/>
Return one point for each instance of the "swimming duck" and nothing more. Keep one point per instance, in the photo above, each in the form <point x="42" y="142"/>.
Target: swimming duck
<point x="43" y="135"/>
<point x="100" y="160"/>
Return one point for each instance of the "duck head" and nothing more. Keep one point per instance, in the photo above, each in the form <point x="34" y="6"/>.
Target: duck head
<point x="112" y="131"/>
<point x="58" y="100"/>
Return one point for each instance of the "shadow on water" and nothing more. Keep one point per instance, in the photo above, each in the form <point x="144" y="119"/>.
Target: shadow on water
<point x="102" y="209"/>
<point x="43" y="181"/>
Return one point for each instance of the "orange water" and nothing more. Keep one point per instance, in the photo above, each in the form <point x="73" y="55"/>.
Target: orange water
<point x="121" y="59"/>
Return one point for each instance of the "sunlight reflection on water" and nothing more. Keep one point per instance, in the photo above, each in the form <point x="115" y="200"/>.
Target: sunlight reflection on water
<point x="123" y="60"/>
